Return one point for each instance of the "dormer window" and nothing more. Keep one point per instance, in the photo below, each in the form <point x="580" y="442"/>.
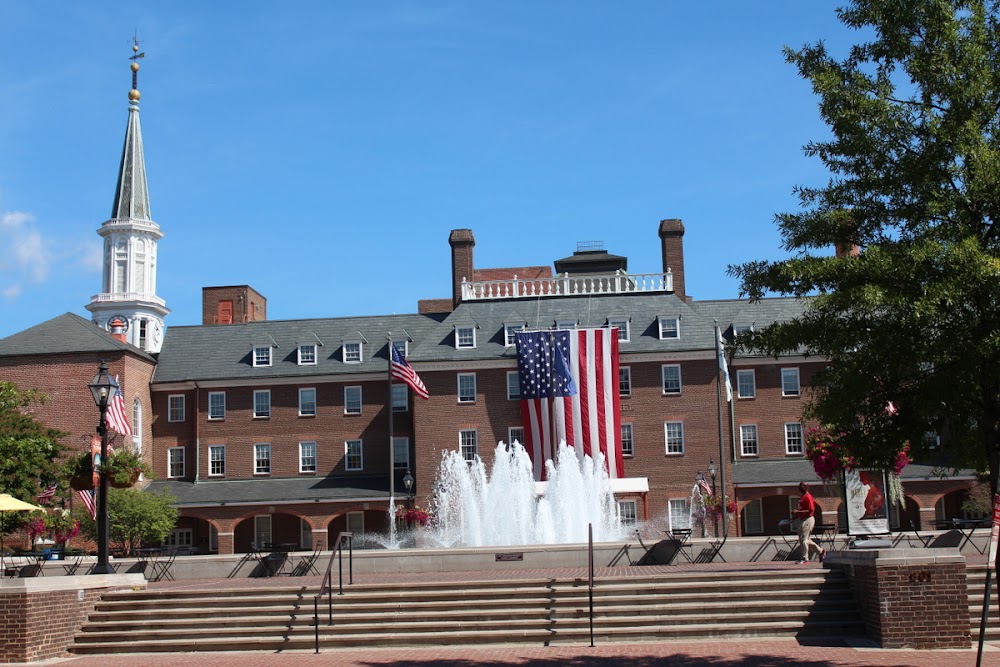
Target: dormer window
<point x="262" y="355"/>
<point x="510" y="333"/>
<point x="670" y="328"/>
<point x="307" y="354"/>
<point x="352" y="352"/>
<point x="742" y="329"/>
<point x="403" y="347"/>
<point x="623" y="329"/>
<point x="465" y="337"/>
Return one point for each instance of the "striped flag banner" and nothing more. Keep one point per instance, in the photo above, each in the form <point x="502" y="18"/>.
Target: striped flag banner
<point x="89" y="500"/>
<point x="117" y="419"/>
<point x="47" y="494"/>
<point x="569" y="393"/>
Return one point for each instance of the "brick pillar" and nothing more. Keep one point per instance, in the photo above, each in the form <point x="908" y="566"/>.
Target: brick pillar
<point x="909" y="598"/>
<point x="462" y="242"/>
<point x="225" y="543"/>
<point x="672" y="249"/>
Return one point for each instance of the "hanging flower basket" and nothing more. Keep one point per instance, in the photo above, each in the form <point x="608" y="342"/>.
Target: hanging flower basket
<point x="123" y="468"/>
<point x="831" y="456"/>
<point x="414" y="516"/>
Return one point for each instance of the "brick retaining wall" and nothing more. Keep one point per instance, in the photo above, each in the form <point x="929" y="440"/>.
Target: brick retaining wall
<point x="39" y="617"/>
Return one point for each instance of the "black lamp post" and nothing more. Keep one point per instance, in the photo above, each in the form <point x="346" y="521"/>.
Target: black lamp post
<point x="103" y="387"/>
<point x="408" y="483"/>
<point x="715" y="515"/>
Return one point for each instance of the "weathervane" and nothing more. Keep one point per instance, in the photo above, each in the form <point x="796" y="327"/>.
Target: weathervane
<point x="134" y="93"/>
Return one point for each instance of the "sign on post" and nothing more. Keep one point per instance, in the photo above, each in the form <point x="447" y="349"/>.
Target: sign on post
<point x="994" y="533"/>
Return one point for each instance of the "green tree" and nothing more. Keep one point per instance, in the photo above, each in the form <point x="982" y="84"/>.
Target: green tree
<point x="135" y="518"/>
<point x="911" y="325"/>
<point x="29" y="450"/>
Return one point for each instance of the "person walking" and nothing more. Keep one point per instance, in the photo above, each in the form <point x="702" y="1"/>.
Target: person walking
<point x="806" y="516"/>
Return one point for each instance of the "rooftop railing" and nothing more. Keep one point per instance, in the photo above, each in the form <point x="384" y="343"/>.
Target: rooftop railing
<point x="567" y="285"/>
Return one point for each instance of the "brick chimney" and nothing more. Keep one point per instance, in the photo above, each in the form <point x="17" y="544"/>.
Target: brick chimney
<point x="462" y="242"/>
<point x="117" y="327"/>
<point x="672" y="246"/>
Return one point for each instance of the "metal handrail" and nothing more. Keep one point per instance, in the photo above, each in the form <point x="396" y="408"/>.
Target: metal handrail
<point x="324" y="587"/>
<point x="590" y="581"/>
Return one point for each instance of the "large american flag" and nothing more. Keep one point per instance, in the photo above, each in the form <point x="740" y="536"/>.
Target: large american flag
<point x="117" y="418"/>
<point x="402" y="371"/>
<point x="569" y="392"/>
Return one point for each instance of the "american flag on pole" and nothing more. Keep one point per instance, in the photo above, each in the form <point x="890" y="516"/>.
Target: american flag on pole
<point x="117" y="418"/>
<point x="402" y="372"/>
<point x="89" y="501"/>
<point x="569" y="392"/>
<point x="47" y="494"/>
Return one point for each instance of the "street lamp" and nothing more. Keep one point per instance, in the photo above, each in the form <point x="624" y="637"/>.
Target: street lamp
<point x="715" y="515"/>
<point x="408" y="483"/>
<point x="103" y="387"/>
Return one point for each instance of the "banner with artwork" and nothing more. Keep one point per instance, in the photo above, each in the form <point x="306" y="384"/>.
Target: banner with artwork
<point x="867" y="509"/>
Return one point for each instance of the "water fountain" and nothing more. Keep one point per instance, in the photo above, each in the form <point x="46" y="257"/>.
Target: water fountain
<point x="500" y="508"/>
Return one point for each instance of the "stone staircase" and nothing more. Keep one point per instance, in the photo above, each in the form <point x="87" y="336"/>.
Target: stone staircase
<point x="976" y="583"/>
<point x="673" y="606"/>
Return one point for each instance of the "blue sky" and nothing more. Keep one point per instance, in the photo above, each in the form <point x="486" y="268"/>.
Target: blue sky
<point x="322" y="151"/>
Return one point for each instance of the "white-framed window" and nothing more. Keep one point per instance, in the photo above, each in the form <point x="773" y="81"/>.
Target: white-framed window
<point x="216" y="405"/>
<point x="670" y="328"/>
<point x="624" y="381"/>
<point x="400" y="398"/>
<point x="261" y="355"/>
<point x="465" y="337"/>
<point x="468" y="444"/>
<point x="673" y="434"/>
<point x="510" y="333"/>
<point x="679" y="512"/>
<point x="739" y="329"/>
<point x="353" y="352"/>
<point x="746" y="383"/>
<point x="262" y="529"/>
<point x="627" y="515"/>
<point x="354" y="455"/>
<point x="513" y="385"/>
<point x="307" y="401"/>
<point x="562" y="325"/>
<point x="356" y="523"/>
<point x="180" y="537"/>
<point x="262" y="458"/>
<point x="175" y="462"/>
<point x="466" y="387"/>
<point x="352" y="400"/>
<point x="753" y="518"/>
<point x="624" y="335"/>
<point x="628" y="440"/>
<point x="793" y="438"/>
<point x="262" y="403"/>
<point x="137" y="428"/>
<point x="515" y="434"/>
<point x="307" y="354"/>
<point x="790" y="382"/>
<point x="307" y="456"/>
<point x="748" y="440"/>
<point x="671" y="378"/>
<point x="175" y="408"/>
<point x="401" y="453"/>
<point x="216" y="460"/>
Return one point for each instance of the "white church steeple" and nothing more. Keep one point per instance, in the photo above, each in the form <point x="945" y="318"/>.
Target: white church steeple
<point x="130" y="237"/>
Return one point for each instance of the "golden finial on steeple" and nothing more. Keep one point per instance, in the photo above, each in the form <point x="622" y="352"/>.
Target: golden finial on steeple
<point x="133" y="95"/>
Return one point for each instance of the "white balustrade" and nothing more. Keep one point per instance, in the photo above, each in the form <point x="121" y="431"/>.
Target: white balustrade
<point x="567" y="285"/>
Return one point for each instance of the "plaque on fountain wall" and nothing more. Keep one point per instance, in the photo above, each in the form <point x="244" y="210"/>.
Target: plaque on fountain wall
<point x="509" y="557"/>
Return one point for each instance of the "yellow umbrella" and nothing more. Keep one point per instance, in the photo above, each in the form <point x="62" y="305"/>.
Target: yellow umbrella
<point x="9" y="503"/>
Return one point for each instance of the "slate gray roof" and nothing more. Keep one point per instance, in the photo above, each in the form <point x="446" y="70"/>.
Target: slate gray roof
<point x="67" y="333"/>
<point x="257" y="491"/>
<point x="783" y="472"/>
<point x="223" y="352"/>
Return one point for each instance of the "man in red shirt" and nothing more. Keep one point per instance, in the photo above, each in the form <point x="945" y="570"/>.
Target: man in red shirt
<point x="806" y="514"/>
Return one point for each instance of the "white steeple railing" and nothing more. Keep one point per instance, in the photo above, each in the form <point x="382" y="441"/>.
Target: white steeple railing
<point x="567" y="285"/>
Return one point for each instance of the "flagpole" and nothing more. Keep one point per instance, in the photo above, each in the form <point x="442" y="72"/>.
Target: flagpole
<point x="722" y="447"/>
<point x="392" y="453"/>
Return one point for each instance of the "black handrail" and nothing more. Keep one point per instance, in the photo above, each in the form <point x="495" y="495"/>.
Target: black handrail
<point x="324" y="587"/>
